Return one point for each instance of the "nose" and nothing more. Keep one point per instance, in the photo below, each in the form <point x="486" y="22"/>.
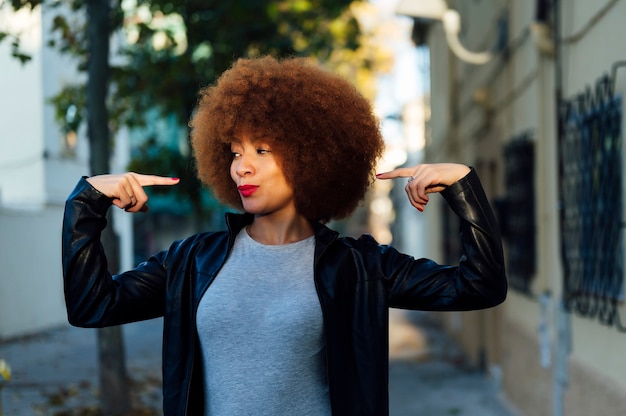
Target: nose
<point x="243" y="166"/>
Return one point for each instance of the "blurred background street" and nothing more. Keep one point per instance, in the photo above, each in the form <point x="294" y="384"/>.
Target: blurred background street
<point x="56" y="372"/>
<point x="529" y="93"/>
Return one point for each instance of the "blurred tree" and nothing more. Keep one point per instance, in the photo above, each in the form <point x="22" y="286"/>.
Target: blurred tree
<point x="165" y="50"/>
<point x="173" y="48"/>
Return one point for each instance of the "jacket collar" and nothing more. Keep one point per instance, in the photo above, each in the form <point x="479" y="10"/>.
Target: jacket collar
<point x="235" y="222"/>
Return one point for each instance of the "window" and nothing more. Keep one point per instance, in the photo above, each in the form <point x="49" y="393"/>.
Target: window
<point x="591" y="197"/>
<point x="517" y="212"/>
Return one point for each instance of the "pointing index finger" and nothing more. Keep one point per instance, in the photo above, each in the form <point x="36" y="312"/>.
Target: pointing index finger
<point x="152" y="180"/>
<point x="396" y="173"/>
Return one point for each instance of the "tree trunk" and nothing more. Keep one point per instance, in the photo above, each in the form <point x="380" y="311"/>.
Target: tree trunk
<point x="114" y="386"/>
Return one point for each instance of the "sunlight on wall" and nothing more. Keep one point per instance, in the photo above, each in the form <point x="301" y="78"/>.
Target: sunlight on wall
<point x="25" y="24"/>
<point x="21" y="141"/>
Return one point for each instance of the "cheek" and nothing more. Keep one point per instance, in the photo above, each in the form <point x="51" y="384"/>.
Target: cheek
<point x="233" y="172"/>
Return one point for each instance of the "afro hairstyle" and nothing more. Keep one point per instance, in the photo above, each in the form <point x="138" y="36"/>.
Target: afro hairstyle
<point x="323" y="132"/>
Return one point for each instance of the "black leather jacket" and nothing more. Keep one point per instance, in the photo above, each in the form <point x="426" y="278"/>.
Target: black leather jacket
<point x="357" y="280"/>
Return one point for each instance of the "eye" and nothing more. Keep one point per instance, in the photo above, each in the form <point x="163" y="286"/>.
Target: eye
<point x="263" y="149"/>
<point x="235" y="150"/>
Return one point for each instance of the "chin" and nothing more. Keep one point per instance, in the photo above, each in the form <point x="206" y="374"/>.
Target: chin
<point x="251" y="210"/>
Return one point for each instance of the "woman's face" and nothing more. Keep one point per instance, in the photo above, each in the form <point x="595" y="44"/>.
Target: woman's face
<point x="260" y="180"/>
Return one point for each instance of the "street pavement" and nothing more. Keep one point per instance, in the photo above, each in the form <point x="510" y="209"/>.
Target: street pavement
<point x="55" y="373"/>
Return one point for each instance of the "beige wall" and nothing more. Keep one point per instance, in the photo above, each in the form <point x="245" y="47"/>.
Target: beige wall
<point x="529" y="386"/>
<point x="475" y="111"/>
<point x="592" y="393"/>
<point x="526" y="383"/>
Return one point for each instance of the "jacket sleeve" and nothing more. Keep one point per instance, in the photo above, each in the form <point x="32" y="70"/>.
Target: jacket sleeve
<point x="477" y="282"/>
<point x="93" y="297"/>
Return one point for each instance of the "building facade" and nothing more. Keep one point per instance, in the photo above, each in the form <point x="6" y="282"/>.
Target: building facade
<point x="534" y="103"/>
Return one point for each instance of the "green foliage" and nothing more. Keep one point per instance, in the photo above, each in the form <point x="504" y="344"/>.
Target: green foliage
<point x="154" y="158"/>
<point x="158" y="159"/>
<point x="69" y="107"/>
<point x="16" y="51"/>
<point x="171" y="48"/>
<point x="176" y="47"/>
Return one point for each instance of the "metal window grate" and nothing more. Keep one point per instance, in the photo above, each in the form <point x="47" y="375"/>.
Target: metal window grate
<point x="591" y="196"/>
<point x="517" y="212"/>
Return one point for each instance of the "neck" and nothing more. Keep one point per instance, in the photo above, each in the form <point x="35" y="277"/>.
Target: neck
<point x="272" y="232"/>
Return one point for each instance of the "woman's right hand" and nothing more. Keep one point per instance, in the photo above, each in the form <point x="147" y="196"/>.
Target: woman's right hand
<point x="425" y="179"/>
<point x="126" y="189"/>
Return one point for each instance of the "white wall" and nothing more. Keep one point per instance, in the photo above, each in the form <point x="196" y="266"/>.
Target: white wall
<point x="31" y="288"/>
<point x="21" y="115"/>
<point x="31" y="296"/>
<point x="36" y="175"/>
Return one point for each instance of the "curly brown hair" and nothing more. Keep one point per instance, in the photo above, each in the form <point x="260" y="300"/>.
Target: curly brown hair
<point x="321" y="129"/>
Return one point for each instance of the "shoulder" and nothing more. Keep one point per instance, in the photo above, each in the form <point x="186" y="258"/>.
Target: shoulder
<point x="199" y="251"/>
<point x="233" y="224"/>
<point x="364" y="246"/>
<point x="200" y="239"/>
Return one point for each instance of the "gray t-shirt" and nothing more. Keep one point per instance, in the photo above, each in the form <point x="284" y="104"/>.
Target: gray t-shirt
<point x="261" y="333"/>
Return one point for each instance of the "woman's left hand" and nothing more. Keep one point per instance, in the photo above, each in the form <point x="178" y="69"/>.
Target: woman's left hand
<point x="425" y="179"/>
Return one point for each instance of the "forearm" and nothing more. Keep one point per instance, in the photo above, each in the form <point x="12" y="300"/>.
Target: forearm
<point x="482" y="261"/>
<point x="93" y="296"/>
<point x="477" y="282"/>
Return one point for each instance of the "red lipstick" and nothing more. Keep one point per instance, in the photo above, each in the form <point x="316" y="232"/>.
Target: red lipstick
<point x="247" y="190"/>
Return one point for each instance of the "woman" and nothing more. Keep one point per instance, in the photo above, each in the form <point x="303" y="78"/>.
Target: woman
<point x="279" y="314"/>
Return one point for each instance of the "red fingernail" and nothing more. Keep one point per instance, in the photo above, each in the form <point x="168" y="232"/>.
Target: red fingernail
<point x="175" y="179"/>
<point x="379" y="174"/>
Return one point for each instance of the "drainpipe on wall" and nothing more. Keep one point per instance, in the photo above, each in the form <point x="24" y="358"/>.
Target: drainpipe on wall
<point x="560" y="373"/>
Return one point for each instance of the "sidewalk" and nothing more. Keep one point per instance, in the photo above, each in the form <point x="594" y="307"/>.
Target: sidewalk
<point x="55" y="374"/>
<point x="427" y="376"/>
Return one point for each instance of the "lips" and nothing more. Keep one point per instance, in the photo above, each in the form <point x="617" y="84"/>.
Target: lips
<point x="247" y="190"/>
